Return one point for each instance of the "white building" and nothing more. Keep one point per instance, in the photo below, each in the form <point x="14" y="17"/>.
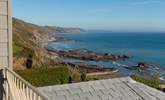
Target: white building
<point x="5" y="34"/>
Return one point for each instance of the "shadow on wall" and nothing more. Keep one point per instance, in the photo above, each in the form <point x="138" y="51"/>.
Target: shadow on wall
<point x="1" y="84"/>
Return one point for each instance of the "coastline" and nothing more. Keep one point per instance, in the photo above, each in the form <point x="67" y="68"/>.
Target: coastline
<point x="142" y="68"/>
<point x="91" y="70"/>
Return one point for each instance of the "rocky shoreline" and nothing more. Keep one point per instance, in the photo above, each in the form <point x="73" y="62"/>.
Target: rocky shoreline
<point x="87" y="55"/>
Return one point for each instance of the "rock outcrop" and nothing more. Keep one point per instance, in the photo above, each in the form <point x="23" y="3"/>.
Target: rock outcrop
<point x="143" y="65"/>
<point x="89" y="55"/>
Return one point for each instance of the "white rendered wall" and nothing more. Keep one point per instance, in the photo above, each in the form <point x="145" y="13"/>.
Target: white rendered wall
<point x="5" y="34"/>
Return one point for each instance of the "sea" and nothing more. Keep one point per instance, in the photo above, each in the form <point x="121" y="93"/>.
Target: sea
<point x="147" y="47"/>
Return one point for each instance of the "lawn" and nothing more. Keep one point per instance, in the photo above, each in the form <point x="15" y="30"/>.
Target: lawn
<point x="46" y="76"/>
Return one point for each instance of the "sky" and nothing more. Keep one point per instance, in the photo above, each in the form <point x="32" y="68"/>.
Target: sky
<point x="114" y="15"/>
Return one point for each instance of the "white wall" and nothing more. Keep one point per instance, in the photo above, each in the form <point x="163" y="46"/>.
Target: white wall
<point x="5" y="34"/>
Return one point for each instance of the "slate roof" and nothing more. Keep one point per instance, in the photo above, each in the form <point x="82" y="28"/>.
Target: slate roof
<point x="110" y="89"/>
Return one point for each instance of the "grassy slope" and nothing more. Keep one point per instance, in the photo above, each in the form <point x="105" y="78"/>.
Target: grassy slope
<point x="27" y="40"/>
<point x="23" y="38"/>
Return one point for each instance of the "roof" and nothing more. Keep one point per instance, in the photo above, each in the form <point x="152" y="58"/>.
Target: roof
<point x="110" y="89"/>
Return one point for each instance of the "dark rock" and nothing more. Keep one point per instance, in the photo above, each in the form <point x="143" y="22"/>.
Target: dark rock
<point x="108" y="54"/>
<point x="125" y="56"/>
<point x="142" y="65"/>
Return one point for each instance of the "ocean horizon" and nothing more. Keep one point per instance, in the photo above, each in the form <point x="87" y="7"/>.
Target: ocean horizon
<point x="140" y="46"/>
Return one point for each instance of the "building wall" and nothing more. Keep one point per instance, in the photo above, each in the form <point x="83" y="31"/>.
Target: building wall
<point x="5" y="34"/>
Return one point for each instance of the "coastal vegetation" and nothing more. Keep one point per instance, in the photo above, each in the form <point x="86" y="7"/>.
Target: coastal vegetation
<point x="17" y="49"/>
<point x="83" y="77"/>
<point x="152" y="82"/>
<point x="60" y="74"/>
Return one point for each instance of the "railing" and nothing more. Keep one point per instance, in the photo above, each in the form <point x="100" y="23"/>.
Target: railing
<point x="16" y="88"/>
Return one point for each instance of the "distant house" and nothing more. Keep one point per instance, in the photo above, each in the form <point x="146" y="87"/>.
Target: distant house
<point x="5" y="34"/>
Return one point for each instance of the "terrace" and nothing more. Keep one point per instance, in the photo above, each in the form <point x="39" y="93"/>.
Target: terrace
<point x="14" y="87"/>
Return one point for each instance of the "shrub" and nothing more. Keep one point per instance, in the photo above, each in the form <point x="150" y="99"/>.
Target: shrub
<point x="83" y="77"/>
<point x="75" y="75"/>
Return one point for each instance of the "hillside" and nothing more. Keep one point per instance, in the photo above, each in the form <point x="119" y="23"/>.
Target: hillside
<point x="24" y="32"/>
<point x="27" y="41"/>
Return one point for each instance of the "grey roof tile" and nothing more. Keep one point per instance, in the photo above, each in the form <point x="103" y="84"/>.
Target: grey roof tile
<point x="59" y="98"/>
<point x="75" y="90"/>
<point x="85" y="95"/>
<point x="62" y="92"/>
<point x="110" y="89"/>
<point x="72" y="97"/>
<point x="94" y="98"/>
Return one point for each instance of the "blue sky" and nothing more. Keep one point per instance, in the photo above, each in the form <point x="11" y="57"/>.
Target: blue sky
<point x="117" y="15"/>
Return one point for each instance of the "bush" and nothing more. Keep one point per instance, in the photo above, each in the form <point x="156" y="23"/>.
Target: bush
<point x="75" y="75"/>
<point x="83" y="77"/>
